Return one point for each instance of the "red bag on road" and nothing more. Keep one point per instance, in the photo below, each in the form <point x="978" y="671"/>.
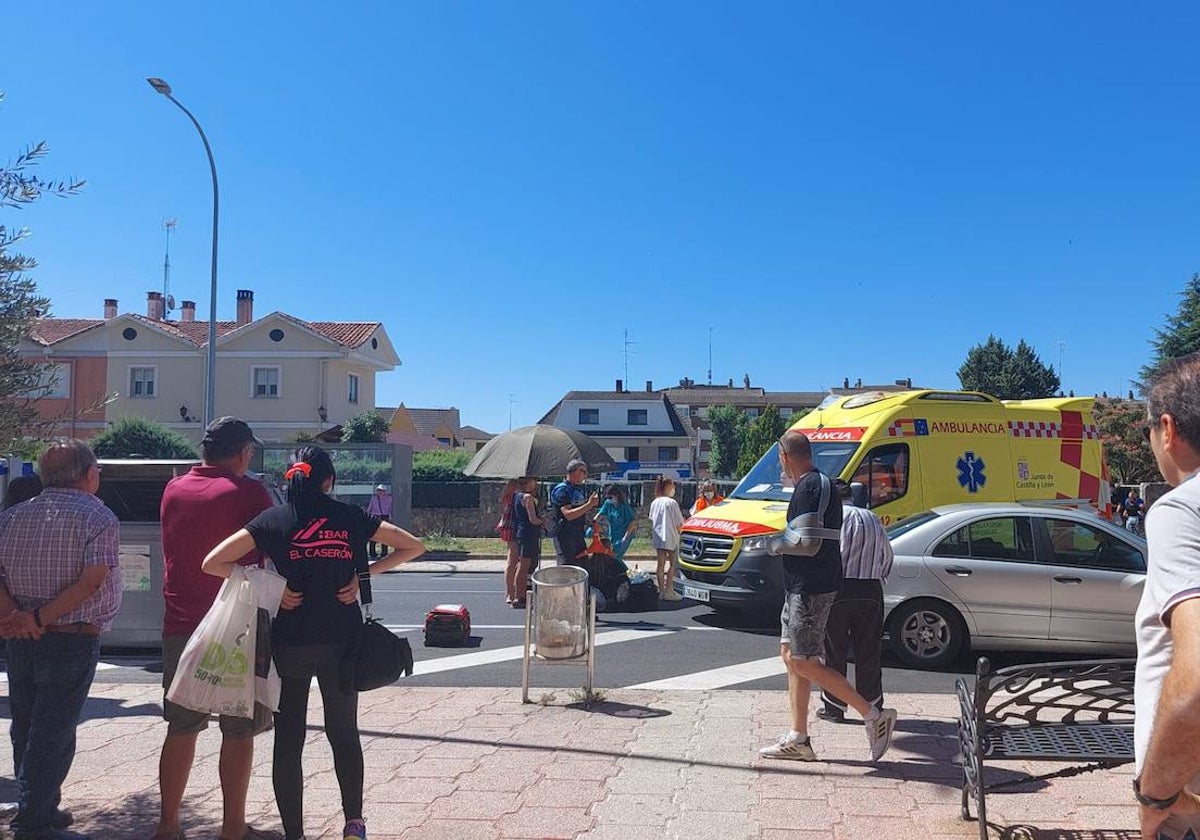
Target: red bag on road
<point x="447" y="625"/>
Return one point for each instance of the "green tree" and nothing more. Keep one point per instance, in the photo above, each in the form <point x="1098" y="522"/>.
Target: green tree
<point x="761" y="435"/>
<point x="1180" y="336"/>
<point x="22" y="383"/>
<point x="441" y="465"/>
<point x="1125" y="446"/>
<point x="728" y="426"/>
<point x="138" y="437"/>
<point x="367" y="427"/>
<point x="995" y="368"/>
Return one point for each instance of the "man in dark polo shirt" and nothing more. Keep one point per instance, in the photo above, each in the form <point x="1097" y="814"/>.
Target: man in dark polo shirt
<point x="199" y="510"/>
<point x="812" y="575"/>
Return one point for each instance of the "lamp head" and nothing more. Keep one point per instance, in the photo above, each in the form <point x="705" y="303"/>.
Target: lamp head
<point x="159" y="85"/>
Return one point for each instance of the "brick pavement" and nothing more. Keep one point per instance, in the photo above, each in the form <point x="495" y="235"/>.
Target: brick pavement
<point x="465" y="763"/>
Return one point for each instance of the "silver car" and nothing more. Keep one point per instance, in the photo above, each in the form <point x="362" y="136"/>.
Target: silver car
<point x="1011" y="577"/>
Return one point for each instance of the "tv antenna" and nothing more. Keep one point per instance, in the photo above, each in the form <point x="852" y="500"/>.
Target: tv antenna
<point x="710" y="332"/>
<point x="512" y="398"/>
<point x="626" y="344"/>
<point x="168" y="301"/>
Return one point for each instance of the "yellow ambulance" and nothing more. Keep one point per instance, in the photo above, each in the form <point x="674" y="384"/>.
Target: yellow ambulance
<point x="910" y="450"/>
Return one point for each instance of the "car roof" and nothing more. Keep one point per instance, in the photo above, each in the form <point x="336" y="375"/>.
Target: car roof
<point x="1046" y="509"/>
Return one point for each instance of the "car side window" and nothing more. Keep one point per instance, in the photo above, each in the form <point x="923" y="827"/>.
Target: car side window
<point x="957" y="544"/>
<point x="1076" y="544"/>
<point x="1003" y="538"/>
<point x="884" y="472"/>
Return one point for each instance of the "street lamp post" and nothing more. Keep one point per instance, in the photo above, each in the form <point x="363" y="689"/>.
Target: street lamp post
<point x="210" y="395"/>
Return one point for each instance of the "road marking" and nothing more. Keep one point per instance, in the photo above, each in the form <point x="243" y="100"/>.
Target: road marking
<point x="490" y="657"/>
<point x="404" y="628"/>
<point x="719" y="677"/>
<point x="108" y="666"/>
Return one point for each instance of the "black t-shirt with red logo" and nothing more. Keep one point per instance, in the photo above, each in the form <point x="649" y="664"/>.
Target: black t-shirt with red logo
<point x="318" y="558"/>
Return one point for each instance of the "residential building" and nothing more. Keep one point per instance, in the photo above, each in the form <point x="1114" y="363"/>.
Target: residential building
<point x="641" y="430"/>
<point x="693" y="400"/>
<point x="474" y="439"/>
<point x="282" y="374"/>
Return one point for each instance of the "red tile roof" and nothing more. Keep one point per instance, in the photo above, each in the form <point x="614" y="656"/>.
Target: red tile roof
<point x="49" y="330"/>
<point x="345" y="333"/>
<point x="349" y="334"/>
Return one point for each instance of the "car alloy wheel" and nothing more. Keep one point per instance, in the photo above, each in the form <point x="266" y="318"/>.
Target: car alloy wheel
<point x="927" y="635"/>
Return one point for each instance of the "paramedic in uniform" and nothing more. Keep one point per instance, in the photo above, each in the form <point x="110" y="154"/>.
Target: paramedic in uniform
<point x="812" y="574"/>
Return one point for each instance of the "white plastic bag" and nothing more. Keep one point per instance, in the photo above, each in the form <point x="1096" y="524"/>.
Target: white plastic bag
<point x="214" y="673"/>
<point x="268" y="588"/>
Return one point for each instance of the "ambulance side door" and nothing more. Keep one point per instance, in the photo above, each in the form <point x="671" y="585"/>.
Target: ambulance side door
<point x="965" y="456"/>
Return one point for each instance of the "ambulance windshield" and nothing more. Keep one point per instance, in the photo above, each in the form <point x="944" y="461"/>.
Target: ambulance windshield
<point x="764" y="480"/>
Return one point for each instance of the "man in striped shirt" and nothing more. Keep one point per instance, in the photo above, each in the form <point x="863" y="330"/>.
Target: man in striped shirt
<point x="856" y="618"/>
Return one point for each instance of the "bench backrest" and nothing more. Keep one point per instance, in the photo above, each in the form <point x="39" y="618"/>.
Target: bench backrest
<point x="1099" y="691"/>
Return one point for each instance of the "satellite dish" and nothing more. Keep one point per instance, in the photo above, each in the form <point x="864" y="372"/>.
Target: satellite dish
<point x="170" y="303"/>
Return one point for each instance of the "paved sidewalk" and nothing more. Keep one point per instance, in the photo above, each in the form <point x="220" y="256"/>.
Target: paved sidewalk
<point x="461" y="764"/>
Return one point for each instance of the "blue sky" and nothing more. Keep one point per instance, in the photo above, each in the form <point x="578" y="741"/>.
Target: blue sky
<point x="840" y="190"/>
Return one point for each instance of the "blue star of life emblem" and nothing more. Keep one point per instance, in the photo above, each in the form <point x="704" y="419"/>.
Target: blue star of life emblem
<point x="970" y="472"/>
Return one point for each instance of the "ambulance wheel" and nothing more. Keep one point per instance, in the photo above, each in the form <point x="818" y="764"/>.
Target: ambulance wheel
<point x="927" y="634"/>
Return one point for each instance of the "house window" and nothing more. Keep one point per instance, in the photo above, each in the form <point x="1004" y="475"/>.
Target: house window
<point x="54" y="382"/>
<point x="142" y="381"/>
<point x="352" y="394"/>
<point x="668" y="453"/>
<point x="785" y="413"/>
<point x="632" y="454"/>
<point x="589" y="417"/>
<point x="751" y="413"/>
<point x="265" y="382"/>
<point x="637" y="417"/>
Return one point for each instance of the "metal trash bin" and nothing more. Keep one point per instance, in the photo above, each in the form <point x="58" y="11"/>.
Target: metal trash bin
<point x="560" y="617"/>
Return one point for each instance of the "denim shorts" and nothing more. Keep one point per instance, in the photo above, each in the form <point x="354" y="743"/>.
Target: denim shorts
<point x="804" y="618"/>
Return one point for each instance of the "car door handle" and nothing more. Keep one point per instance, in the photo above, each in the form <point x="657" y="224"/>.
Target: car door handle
<point x="1068" y="579"/>
<point x="958" y="571"/>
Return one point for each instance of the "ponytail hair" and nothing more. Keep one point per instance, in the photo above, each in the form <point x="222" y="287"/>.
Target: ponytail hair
<point x="306" y="479"/>
<point x="661" y="485"/>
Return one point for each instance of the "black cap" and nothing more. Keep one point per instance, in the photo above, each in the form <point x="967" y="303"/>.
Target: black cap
<point x="230" y="431"/>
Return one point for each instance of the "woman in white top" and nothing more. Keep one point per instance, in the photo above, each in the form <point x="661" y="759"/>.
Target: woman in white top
<point x="666" y="520"/>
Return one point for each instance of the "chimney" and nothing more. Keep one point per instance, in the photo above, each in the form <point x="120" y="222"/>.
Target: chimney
<point x="245" y="306"/>
<point x="620" y="385"/>
<point x="649" y="386"/>
<point x="187" y="312"/>
<point x="154" y="306"/>
<point x="110" y="308"/>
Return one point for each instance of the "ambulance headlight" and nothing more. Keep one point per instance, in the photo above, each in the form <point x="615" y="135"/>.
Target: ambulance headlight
<point x="755" y="543"/>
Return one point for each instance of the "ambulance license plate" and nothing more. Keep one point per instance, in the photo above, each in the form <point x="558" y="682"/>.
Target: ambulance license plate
<point x="695" y="594"/>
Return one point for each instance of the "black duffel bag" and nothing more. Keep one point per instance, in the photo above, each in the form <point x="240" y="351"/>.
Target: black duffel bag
<point x="378" y="657"/>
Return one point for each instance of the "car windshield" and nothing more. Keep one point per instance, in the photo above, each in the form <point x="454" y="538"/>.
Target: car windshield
<point x="909" y="522"/>
<point x="764" y="481"/>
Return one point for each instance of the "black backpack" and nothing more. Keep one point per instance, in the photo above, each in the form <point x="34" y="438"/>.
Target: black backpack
<point x="553" y="521"/>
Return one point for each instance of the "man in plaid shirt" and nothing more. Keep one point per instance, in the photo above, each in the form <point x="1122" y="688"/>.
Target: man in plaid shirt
<point x="60" y="588"/>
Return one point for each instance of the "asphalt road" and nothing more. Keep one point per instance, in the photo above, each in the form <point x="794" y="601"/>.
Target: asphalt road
<point x="683" y="645"/>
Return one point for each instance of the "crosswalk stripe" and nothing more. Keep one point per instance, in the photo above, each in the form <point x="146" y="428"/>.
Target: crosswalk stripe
<point x="718" y="677"/>
<point x="489" y="657"/>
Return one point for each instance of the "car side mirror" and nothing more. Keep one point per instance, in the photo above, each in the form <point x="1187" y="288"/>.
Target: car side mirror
<point x="858" y="494"/>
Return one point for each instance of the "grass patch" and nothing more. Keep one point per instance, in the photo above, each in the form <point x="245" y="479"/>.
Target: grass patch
<point x="441" y="541"/>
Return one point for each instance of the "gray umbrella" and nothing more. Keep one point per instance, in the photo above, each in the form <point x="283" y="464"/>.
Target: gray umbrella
<point x="540" y="451"/>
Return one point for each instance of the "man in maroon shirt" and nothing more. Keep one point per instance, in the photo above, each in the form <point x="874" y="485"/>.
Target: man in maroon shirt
<point x="199" y="510"/>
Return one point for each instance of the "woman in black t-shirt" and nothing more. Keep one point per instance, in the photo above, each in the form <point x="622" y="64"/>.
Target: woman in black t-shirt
<point x="315" y="542"/>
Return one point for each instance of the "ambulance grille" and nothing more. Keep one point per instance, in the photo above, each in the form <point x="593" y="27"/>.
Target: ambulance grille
<point x="705" y="549"/>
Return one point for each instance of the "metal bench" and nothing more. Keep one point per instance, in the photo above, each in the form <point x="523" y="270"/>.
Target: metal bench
<point x="1077" y="713"/>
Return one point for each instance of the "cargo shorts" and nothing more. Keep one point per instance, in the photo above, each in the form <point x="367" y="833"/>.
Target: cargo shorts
<point x="184" y="721"/>
<point x="803" y="619"/>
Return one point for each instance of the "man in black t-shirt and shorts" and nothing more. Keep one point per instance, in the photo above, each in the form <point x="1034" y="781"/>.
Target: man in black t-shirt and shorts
<point x="812" y="574"/>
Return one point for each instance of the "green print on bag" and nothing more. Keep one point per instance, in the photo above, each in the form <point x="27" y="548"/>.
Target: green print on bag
<point x="222" y="667"/>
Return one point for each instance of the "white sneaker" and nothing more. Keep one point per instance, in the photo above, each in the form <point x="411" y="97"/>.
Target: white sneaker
<point x="790" y="747"/>
<point x="879" y="732"/>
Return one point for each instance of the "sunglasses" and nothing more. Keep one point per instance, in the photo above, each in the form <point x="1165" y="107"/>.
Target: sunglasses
<point x="1148" y="426"/>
